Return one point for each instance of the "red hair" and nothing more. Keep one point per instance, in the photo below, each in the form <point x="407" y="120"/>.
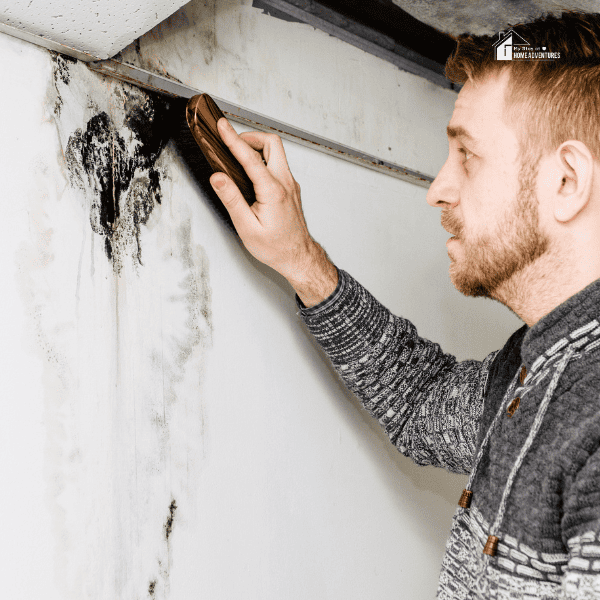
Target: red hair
<point x="547" y="101"/>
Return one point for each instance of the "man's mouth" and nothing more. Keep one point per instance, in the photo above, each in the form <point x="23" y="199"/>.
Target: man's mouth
<point x="448" y="220"/>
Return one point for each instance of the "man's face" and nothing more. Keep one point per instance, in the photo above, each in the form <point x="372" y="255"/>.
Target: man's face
<point x="488" y="198"/>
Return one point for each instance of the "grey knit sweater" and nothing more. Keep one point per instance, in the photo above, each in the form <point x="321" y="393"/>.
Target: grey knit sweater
<point x="534" y="463"/>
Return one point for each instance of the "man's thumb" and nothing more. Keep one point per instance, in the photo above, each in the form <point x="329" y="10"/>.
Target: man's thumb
<point x="229" y="194"/>
<point x="218" y="181"/>
<point x="226" y="189"/>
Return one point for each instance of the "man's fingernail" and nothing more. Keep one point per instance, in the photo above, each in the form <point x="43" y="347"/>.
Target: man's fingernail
<point x="218" y="182"/>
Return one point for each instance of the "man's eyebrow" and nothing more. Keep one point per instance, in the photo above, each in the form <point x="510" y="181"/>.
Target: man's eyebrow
<point x="459" y="131"/>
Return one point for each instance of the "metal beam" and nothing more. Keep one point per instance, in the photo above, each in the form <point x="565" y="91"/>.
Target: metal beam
<point x="239" y="114"/>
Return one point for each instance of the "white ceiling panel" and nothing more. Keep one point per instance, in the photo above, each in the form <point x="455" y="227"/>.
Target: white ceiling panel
<point x="99" y="28"/>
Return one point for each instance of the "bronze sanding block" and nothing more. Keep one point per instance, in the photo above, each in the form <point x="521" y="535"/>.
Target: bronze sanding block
<point x="202" y="115"/>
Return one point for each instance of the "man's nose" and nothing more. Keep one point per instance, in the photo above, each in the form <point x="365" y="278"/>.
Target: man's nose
<point x="444" y="190"/>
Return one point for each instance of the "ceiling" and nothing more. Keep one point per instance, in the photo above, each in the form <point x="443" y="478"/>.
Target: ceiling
<point x="416" y="35"/>
<point x="485" y="17"/>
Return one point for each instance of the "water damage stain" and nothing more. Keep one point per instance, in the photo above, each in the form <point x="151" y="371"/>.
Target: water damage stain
<point x="119" y="166"/>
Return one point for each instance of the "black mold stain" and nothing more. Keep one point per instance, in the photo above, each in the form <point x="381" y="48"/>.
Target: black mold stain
<point x="101" y="152"/>
<point x="151" y="588"/>
<point x="122" y="175"/>
<point x="60" y="71"/>
<point x="61" y="64"/>
<point x="169" y="523"/>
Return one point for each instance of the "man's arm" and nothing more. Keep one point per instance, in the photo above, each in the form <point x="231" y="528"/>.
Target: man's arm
<point x="428" y="403"/>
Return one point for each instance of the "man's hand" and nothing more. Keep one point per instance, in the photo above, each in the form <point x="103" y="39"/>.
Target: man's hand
<point x="273" y="229"/>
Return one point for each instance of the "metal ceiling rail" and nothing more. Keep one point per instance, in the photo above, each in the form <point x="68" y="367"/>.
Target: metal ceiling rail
<point x="239" y="114"/>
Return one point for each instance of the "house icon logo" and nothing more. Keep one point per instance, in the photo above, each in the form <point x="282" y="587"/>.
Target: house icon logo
<point x="507" y="42"/>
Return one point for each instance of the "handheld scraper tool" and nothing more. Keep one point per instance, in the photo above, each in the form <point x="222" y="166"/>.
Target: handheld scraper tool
<point x="202" y="115"/>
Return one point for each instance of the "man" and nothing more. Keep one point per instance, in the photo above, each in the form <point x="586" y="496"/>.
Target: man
<point x="520" y="192"/>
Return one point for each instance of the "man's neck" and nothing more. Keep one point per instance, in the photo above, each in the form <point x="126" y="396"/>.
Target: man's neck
<point x="538" y="289"/>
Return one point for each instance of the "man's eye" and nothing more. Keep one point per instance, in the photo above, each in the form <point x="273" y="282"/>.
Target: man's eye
<point x="466" y="153"/>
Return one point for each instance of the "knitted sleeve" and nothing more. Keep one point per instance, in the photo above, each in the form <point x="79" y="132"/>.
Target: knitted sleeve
<point x="581" y="523"/>
<point x="428" y="403"/>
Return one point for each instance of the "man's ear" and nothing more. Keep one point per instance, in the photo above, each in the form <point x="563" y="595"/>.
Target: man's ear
<point x="576" y="171"/>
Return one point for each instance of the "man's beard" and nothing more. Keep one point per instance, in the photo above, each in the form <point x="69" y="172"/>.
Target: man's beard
<point x="494" y="258"/>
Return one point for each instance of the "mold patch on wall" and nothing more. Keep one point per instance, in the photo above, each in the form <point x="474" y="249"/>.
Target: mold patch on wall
<point x="119" y="169"/>
<point x="164" y="571"/>
<point x="194" y="21"/>
<point x="177" y="22"/>
<point x="170" y="519"/>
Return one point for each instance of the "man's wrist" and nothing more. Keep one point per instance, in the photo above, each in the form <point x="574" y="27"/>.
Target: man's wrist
<point x="317" y="280"/>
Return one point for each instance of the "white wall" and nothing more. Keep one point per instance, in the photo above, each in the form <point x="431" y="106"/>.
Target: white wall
<point x="183" y="374"/>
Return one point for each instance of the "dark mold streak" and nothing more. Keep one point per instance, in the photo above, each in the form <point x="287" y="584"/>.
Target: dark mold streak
<point x="60" y="71"/>
<point x="169" y="523"/>
<point x="61" y="66"/>
<point x="164" y="571"/>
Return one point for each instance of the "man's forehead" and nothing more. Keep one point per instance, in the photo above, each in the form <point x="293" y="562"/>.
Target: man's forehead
<point x="478" y="111"/>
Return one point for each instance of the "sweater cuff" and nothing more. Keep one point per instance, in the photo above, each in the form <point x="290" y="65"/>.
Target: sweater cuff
<point x="326" y="304"/>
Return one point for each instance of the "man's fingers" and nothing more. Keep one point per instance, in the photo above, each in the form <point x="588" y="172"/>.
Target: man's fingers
<point x="247" y="151"/>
